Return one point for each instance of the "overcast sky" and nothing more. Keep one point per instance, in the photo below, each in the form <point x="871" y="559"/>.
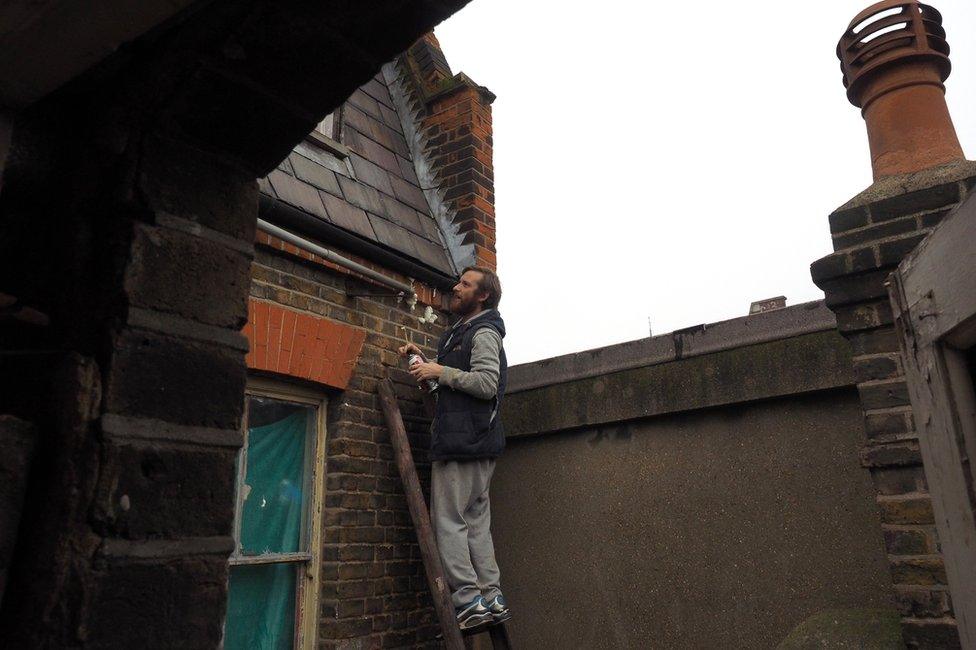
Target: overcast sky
<point x="668" y="161"/>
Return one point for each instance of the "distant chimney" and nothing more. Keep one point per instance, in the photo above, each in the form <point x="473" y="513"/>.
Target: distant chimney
<point x="769" y="304"/>
<point x="894" y="57"/>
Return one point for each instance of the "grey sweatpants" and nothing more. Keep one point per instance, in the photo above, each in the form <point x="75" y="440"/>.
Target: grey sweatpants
<point x="461" y="516"/>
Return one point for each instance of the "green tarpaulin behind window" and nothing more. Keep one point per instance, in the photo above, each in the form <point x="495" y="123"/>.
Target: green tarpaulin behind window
<point x="261" y="607"/>
<point x="271" y="517"/>
<point x="261" y="602"/>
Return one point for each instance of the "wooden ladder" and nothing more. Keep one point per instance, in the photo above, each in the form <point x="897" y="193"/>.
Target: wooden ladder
<point x="436" y="579"/>
<point x="498" y="636"/>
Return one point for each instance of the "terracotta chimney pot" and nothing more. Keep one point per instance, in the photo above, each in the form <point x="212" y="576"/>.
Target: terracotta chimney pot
<point x="894" y="57"/>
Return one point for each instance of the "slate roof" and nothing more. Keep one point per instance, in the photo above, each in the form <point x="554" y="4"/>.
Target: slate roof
<point x="374" y="192"/>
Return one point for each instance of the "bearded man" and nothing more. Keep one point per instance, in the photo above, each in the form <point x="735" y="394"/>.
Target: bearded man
<point x="466" y="438"/>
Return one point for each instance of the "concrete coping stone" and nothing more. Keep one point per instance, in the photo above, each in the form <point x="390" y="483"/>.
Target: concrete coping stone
<point x="788" y="322"/>
<point x="893" y="186"/>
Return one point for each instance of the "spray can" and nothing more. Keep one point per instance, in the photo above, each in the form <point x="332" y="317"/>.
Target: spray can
<point x="414" y="359"/>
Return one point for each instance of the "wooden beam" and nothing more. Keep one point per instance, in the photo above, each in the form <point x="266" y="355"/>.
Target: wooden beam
<point x="933" y="298"/>
<point x="436" y="580"/>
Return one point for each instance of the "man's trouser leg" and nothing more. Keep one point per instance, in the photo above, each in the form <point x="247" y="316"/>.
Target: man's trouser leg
<point x="459" y="508"/>
<point x="480" y="546"/>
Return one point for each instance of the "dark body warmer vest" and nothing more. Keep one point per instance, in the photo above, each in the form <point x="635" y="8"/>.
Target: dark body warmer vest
<point x="465" y="427"/>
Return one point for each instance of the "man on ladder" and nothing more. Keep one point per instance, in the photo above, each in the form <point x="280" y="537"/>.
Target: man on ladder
<point x="466" y="438"/>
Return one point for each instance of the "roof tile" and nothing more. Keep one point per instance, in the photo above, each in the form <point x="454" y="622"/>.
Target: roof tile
<point x="371" y="174"/>
<point x="404" y="215"/>
<point x="372" y="151"/>
<point x="409" y="194"/>
<point x="348" y="216"/>
<point x="391" y="139"/>
<point x="365" y="103"/>
<point x="286" y="167"/>
<point x="432" y="254"/>
<point x="407" y="171"/>
<point x="264" y="185"/>
<point x="391" y="118"/>
<point x="299" y="194"/>
<point x="394" y="236"/>
<point x="314" y="173"/>
<point x="376" y="130"/>
<point x="378" y="91"/>
<point x="356" y="119"/>
<point x="431" y="230"/>
<point x="363" y="196"/>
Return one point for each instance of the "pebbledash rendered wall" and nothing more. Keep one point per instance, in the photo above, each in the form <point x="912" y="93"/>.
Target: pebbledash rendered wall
<point x="700" y="489"/>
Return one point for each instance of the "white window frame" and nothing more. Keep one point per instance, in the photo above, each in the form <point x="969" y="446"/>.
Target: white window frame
<point x="329" y="130"/>
<point x="308" y="580"/>
<point x="328" y="138"/>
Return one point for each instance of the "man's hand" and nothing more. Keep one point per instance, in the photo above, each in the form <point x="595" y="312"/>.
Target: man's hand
<point x="408" y="349"/>
<point x="426" y="370"/>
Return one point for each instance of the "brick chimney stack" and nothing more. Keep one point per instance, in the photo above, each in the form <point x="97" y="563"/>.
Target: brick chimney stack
<point x="453" y="114"/>
<point x="894" y="57"/>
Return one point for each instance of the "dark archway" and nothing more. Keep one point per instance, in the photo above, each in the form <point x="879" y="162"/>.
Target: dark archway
<point x="126" y="234"/>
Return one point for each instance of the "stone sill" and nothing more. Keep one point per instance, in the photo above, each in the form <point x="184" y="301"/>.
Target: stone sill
<point x="330" y="145"/>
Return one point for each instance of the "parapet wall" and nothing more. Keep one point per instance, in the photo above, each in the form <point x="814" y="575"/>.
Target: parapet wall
<point x="698" y="489"/>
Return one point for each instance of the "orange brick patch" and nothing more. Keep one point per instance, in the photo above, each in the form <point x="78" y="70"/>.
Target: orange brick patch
<point x="301" y="345"/>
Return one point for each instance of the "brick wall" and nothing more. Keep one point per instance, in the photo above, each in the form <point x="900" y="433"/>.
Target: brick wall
<point x="871" y="234"/>
<point x="374" y="593"/>
<point x="460" y="146"/>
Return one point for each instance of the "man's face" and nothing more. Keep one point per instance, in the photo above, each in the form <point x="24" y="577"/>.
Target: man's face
<point x="467" y="297"/>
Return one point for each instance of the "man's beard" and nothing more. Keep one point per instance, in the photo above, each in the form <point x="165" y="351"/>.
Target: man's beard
<point x="463" y="307"/>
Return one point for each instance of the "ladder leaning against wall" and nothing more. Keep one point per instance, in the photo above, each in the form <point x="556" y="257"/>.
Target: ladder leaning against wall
<point x="420" y="516"/>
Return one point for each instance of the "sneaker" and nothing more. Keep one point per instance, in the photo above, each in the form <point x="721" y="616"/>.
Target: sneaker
<point x="473" y="614"/>
<point x="499" y="610"/>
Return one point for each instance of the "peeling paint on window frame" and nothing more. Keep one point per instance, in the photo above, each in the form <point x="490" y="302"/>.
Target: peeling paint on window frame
<point x="308" y="578"/>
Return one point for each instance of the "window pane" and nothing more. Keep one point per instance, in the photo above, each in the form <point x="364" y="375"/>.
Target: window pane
<point x="261" y="607"/>
<point x="274" y="481"/>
